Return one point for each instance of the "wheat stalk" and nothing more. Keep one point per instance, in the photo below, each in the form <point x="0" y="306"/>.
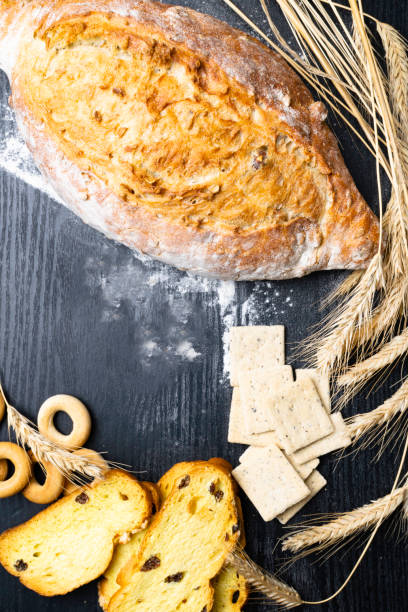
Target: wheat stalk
<point x="396" y="54"/>
<point x="260" y="580"/>
<point x="356" y="376"/>
<point x="73" y="467"/>
<point x="381" y="417"/>
<point x="344" y="525"/>
<point x="330" y="349"/>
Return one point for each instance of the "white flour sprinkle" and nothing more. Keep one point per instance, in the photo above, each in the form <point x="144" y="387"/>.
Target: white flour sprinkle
<point x="185" y="349"/>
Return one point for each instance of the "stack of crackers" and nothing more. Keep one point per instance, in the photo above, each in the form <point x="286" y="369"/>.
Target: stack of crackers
<point x="287" y="423"/>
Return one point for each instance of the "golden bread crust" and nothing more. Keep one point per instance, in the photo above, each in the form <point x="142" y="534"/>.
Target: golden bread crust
<point x="198" y="146"/>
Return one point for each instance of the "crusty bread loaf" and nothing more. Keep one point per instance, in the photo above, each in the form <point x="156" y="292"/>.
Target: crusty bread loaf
<point x="71" y="542"/>
<point x="185" y="546"/>
<point x="123" y="552"/>
<point x="183" y="138"/>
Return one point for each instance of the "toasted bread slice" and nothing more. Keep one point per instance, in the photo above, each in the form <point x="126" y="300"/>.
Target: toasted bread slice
<point x="230" y="588"/>
<point x="185" y="546"/>
<point x="124" y="551"/>
<point x="71" y="542"/>
<point x="166" y="483"/>
<point x="230" y="591"/>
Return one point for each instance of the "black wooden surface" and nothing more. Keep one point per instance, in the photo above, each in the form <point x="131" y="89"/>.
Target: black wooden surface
<point x="80" y="315"/>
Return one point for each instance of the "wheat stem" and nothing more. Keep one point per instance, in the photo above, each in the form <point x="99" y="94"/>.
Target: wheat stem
<point x="260" y="580"/>
<point x="344" y="525"/>
<point x="357" y="375"/>
<point x="360" y="425"/>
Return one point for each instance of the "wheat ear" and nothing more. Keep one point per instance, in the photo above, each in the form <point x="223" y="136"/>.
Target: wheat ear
<point x="396" y="54"/>
<point x="260" y="580"/>
<point x="357" y="375"/>
<point x="344" y="525"/>
<point x="73" y="467"/>
<point x="380" y="418"/>
<point x="330" y="348"/>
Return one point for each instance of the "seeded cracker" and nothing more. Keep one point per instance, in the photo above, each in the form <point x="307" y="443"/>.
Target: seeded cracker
<point x="256" y="348"/>
<point x="304" y="470"/>
<point x="237" y="429"/>
<point x="340" y="438"/>
<point x="321" y="382"/>
<point x="270" y="482"/>
<point x="256" y="387"/>
<point x="315" y="482"/>
<point x="297" y="415"/>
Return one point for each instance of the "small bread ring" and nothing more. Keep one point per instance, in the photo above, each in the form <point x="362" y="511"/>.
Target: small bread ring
<point x="93" y="456"/>
<point x="21" y="462"/>
<point x="3" y="469"/>
<point x="50" y="490"/>
<point x="78" y="413"/>
<point x="2" y="407"/>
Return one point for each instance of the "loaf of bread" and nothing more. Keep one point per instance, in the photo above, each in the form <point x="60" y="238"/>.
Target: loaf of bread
<point x="71" y="542"/>
<point x="185" y="546"/>
<point x="183" y="138"/>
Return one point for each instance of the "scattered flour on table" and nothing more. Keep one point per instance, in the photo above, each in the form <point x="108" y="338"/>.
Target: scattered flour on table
<point x="265" y="299"/>
<point x="169" y="306"/>
<point x="171" y="309"/>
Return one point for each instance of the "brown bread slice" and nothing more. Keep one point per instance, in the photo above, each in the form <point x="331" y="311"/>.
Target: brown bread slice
<point x="185" y="546"/>
<point x="71" y="542"/>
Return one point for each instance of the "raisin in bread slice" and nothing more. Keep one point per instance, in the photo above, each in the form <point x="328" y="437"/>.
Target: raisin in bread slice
<point x="185" y="546"/>
<point x="124" y="551"/>
<point x="71" y="542"/>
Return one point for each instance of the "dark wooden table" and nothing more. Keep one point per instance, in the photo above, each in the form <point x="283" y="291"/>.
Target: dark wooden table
<point x="142" y="345"/>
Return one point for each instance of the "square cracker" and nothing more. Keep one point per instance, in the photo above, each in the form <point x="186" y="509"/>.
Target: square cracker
<point x="237" y="428"/>
<point x="255" y="347"/>
<point x="340" y="438"/>
<point x="321" y="382"/>
<point x="315" y="482"/>
<point x="270" y="482"/>
<point x="304" y="470"/>
<point x="298" y="415"/>
<point x="255" y="387"/>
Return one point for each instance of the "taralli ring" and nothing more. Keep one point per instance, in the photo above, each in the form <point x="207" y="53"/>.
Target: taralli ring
<point x="3" y="469"/>
<point x="76" y="410"/>
<point x="19" y="458"/>
<point x="93" y="456"/>
<point x="50" y="490"/>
